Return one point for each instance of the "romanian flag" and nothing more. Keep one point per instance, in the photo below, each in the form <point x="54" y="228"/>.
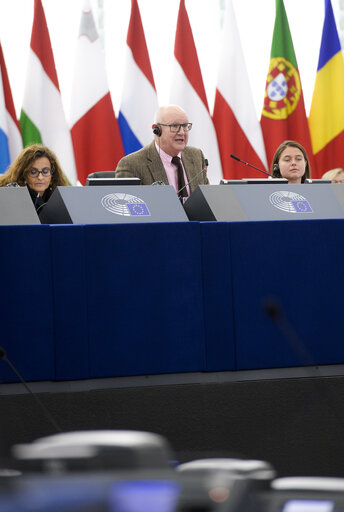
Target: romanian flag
<point x="283" y="115"/>
<point x="326" y="117"/>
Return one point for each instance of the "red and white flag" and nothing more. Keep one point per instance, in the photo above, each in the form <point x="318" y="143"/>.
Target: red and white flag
<point x="188" y="92"/>
<point x="236" y="122"/>
<point x="95" y="132"/>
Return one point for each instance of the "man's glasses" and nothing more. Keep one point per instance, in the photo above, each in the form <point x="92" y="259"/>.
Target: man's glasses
<point x="175" y="128"/>
<point x="45" y="172"/>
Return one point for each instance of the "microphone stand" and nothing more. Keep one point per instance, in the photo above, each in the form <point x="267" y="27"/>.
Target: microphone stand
<point x="188" y="183"/>
<point x="3" y="356"/>
<point x="250" y="165"/>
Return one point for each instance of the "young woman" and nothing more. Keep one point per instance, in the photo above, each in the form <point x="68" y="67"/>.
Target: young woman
<point x="290" y="161"/>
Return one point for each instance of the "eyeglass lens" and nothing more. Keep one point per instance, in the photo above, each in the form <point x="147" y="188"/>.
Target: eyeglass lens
<point x="177" y="127"/>
<point x="45" y="172"/>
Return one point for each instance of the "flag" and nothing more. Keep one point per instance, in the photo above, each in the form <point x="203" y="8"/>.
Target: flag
<point x="326" y="116"/>
<point x="139" y="99"/>
<point x="10" y="137"/>
<point x="95" y="132"/>
<point x="235" y="119"/>
<point x="42" y="118"/>
<point x="188" y="92"/>
<point x="284" y="116"/>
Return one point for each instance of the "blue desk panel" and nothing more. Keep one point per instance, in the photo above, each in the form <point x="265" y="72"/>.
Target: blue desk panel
<point x="217" y="296"/>
<point x="145" y="306"/>
<point x="299" y="265"/>
<point x="70" y="302"/>
<point x="26" y="303"/>
<point x="80" y="302"/>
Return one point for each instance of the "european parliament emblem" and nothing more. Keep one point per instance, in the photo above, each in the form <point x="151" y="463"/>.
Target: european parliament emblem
<point x="138" y="209"/>
<point x="290" y="202"/>
<point x="302" y="206"/>
<point x="125" y="204"/>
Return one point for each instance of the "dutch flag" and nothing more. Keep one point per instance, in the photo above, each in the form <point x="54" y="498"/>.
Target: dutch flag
<point x="10" y="137"/>
<point x="139" y="99"/>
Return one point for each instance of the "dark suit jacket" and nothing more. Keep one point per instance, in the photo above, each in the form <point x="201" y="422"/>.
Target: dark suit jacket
<point x="146" y="164"/>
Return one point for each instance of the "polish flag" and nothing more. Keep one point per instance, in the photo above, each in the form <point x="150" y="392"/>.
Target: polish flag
<point x="42" y="119"/>
<point x="237" y="125"/>
<point x="139" y="99"/>
<point x="10" y="137"/>
<point x="188" y="92"/>
<point x="95" y="132"/>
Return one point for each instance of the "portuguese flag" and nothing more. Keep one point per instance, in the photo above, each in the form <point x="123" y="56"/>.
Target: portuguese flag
<point x="283" y="115"/>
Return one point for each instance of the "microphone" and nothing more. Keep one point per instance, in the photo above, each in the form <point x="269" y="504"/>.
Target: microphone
<point x="36" y="199"/>
<point x="41" y="206"/>
<point x="3" y="356"/>
<point x="13" y="184"/>
<point x="250" y="165"/>
<point x="158" y="183"/>
<point x="200" y="172"/>
<point x="274" y="310"/>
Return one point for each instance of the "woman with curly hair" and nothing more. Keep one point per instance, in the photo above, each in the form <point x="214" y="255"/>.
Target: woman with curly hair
<point x="37" y="168"/>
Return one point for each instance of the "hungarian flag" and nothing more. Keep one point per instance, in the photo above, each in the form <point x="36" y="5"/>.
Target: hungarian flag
<point x="188" y="92"/>
<point x="284" y="116"/>
<point x="42" y="118"/>
<point x="326" y="117"/>
<point x="10" y="137"/>
<point x="235" y="119"/>
<point x="95" y="132"/>
<point x="139" y="99"/>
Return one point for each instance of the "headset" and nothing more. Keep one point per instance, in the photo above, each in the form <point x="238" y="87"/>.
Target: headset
<point x="157" y="130"/>
<point x="276" y="171"/>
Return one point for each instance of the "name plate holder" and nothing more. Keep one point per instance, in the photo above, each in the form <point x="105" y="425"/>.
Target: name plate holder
<point x="16" y="207"/>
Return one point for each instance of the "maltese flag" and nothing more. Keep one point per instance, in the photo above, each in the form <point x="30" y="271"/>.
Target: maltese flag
<point x="10" y="136"/>
<point x="95" y="132"/>
<point x="237" y="125"/>
<point x="188" y="92"/>
<point x="139" y="99"/>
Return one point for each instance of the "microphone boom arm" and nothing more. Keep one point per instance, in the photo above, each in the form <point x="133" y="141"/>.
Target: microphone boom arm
<point x="200" y="172"/>
<point x="250" y="165"/>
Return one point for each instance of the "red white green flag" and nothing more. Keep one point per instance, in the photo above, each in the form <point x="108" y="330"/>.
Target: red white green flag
<point x="42" y="119"/>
